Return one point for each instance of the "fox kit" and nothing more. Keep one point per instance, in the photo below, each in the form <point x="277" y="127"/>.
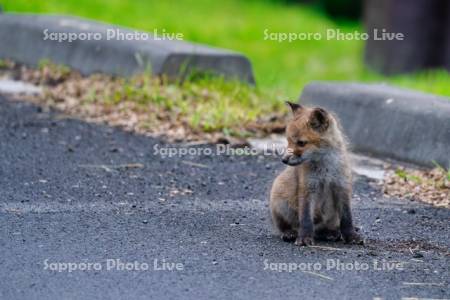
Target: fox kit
<point x="310" y="199"/>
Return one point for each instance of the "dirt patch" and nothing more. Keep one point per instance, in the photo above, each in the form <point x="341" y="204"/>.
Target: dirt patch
<point x="211" y="110"/>
<point x="430" y="186"/>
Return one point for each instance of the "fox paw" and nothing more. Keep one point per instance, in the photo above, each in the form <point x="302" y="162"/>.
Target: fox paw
<point x="328" y="235"/>
<point x="289" y="236"/>
<point x="353" y="238"/>
<point x="304" y="241"/>
<point x="334" y="237"/>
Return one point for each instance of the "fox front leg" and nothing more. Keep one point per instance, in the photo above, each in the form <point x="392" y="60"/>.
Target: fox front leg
<point x="305" y="230"/>
<point x="348" y="231"/>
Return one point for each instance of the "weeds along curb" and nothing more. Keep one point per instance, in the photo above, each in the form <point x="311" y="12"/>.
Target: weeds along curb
<point x="29" y="38"/>
<point x="388" y="122"/>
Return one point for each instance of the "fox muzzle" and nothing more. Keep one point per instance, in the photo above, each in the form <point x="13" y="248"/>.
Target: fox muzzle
<point x="292" y="160"/>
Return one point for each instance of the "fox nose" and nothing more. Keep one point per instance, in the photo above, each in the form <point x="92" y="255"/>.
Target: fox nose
<point x="285" y="159"/>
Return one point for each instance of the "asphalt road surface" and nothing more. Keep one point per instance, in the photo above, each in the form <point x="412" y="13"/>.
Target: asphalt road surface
<point x="132" y="224"/>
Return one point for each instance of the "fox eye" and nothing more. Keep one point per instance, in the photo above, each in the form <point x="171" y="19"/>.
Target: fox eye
<point x="301" y="143"/>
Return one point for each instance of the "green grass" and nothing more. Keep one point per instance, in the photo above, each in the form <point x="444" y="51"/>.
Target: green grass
<point x="3" y="64"/>
<point x="204" y="104"/>
<point x="405" y="176"/>
<point x="283" y="68"/>
<point x="443" y="170"/>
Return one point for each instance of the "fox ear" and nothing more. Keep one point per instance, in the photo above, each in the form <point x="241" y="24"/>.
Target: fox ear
<point x="319" y="120"/>
<point x="294" y="106"/>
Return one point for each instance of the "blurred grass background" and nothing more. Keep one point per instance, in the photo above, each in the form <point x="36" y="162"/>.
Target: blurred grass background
<point x="283" y="68"/>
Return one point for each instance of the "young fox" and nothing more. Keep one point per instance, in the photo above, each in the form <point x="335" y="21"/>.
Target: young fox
<point x="310" y="199"/>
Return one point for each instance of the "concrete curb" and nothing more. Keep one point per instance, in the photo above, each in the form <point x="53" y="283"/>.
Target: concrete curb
<point x="388" y="122"/>
<point x="22" y="40"/>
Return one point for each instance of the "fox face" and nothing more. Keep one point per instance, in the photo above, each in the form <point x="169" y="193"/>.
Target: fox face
<point x="305" y="133"/>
